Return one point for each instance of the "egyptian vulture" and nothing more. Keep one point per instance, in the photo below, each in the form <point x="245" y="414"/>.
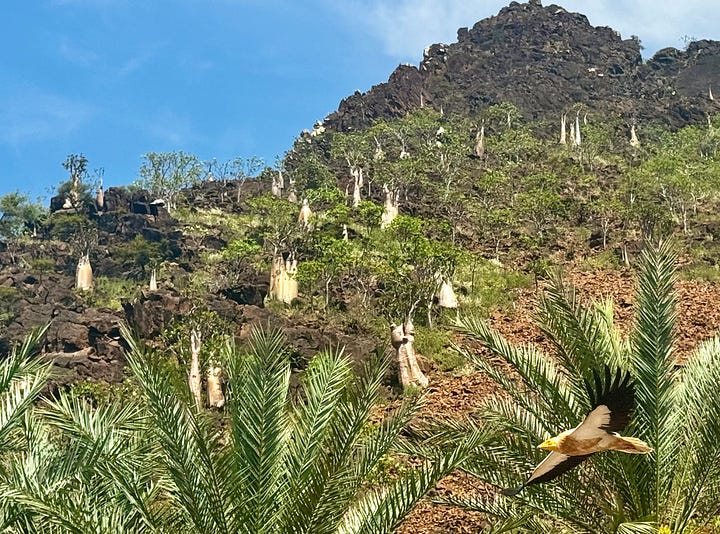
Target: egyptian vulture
<point x="613" y="400"/>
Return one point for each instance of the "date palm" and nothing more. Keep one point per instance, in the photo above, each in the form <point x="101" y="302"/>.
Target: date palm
<point x="677" y="486"/>
<point x="275" y="462"/>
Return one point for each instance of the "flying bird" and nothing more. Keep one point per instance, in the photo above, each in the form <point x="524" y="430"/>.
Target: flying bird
<point x="613" y="400"/>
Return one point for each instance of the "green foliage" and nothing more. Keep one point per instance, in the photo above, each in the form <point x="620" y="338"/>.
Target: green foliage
<point x="164" y="174"/>
<point x="139" y="256"/>
<point x="490" y="286"/>
<point x="87" y="461"/>
<point x="76" y="229"/>
<point x="435" y="344"/>
<point x="9" y="296"/>
<point x="412" y="264"/>
<point x="42" y="264"/>
<point x="101" y="393"/>
<point x="109" y="292"/>
<point x="18" y="216"/>
<point x="368" y="214"/>
<point x="311" y="173"/>
<point x="241" y="248"/>
<point x="214" y="331"/>
<point x="77" y="191"/>
<point x="275" y="223"/>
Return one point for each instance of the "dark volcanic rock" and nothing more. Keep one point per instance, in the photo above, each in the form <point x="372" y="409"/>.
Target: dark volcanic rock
<point x="250" y="294"/>
<point x="150" y="314"/>
<point x="544" y="60"/>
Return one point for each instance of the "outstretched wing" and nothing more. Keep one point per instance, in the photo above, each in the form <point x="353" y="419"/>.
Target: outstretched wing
<point x="554" y="465"/>
<point x="613" y="400"/>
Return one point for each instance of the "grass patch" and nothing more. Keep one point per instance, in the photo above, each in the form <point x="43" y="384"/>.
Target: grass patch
<point x="434" y="344"/>
<point x="704" y="272"/>
<point x="109" y="292"/>
<point x="489" y="286"/>
<point x="605" y="260"/>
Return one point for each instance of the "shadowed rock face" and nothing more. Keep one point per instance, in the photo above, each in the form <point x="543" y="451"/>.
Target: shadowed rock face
<point x="543" y="60"/>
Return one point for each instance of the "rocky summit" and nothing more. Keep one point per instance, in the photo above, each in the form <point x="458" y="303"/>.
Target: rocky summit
<point x="545" y="59"/>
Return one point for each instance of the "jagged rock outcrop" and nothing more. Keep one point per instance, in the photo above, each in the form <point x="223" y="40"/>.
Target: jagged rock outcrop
<point x="83" y="342"/>
<point x="544" y="59"/>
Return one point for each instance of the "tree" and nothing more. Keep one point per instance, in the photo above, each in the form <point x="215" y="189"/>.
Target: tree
<point x="413" y="268"/>
<point x="353" y="150"/>
<point x="678" y="414"/>
<point x="18" y="216"/>
<point x="540" y="202"/>
<point x="76" y="191"/>
<point x="333" y="258"/>
<point x="165" y="174"/>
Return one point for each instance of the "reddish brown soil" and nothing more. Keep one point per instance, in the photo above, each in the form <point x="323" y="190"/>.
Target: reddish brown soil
<point x="455" y="394"/>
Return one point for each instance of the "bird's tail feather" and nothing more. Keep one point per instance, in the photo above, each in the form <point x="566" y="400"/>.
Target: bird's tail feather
<point x="633" y="445"/>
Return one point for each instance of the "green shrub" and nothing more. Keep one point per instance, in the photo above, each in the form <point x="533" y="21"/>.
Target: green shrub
<point x="704" y="272"/>
<point x="109" y="292"/>
<point x="490" y="286"/>
<point x="42" y="264"/>
<point x="434" y="344"/>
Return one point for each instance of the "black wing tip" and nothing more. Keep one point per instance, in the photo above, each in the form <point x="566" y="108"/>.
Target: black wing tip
<point x="611" y="386"/>
<point x="512" y="492"/>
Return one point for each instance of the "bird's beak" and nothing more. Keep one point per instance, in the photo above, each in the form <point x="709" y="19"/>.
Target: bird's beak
<point x="546" y="445"/>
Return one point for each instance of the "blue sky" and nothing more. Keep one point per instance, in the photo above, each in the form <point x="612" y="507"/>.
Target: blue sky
<point x="114" y="79"/>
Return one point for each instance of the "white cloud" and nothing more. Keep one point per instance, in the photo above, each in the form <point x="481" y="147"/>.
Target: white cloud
<point x="29" y="114"/>
<point x="405" y="27"/>
<point x="658" y="23"/>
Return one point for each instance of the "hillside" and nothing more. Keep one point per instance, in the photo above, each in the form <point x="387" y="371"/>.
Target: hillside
<point x="544" y="60"/>
<point x="451" y="191"/>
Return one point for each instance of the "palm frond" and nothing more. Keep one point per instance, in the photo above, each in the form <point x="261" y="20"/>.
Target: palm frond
<point x="187" y="444"/>
<point x="652" y="358"/>
<point x="257" y="396"/>
<point x="380" y="511"/>
<point x="580" y="334"/>
<point x="22" y="378"/>
<point x="697" y="416"/>
<point x="543" y="387"/>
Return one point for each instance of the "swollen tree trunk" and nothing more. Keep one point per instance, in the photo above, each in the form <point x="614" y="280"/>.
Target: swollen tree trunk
<point x="480" y="142"/>
<point x="153" y="280"/>
<point x="194" y="378"/>
<point x="634" y="141"/>
<point x="446" y="296"/>
<point x="215" y="396"/>
<point x="577" y="129"/>
<point x="283" y="284"/>
<point x="100" y="198"/>
<point x="358" y="182"/>
<point x="305" y="214"/>
<point x="291" y="285"/>
<point x="391" y="207"/>
<point x="277" y="184"/>
<point x="84" y="274"/>
<point x="402" y="338"/>
<point x="275" y="289"/>
<point x="292" y="194"/>
<point x="563" y="130"/>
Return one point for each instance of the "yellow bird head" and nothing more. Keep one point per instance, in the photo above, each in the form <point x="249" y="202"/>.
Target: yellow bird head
<point x="550" y="444"/>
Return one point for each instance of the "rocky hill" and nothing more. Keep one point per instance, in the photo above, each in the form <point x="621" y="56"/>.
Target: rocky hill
<point x="545" y="60"/>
